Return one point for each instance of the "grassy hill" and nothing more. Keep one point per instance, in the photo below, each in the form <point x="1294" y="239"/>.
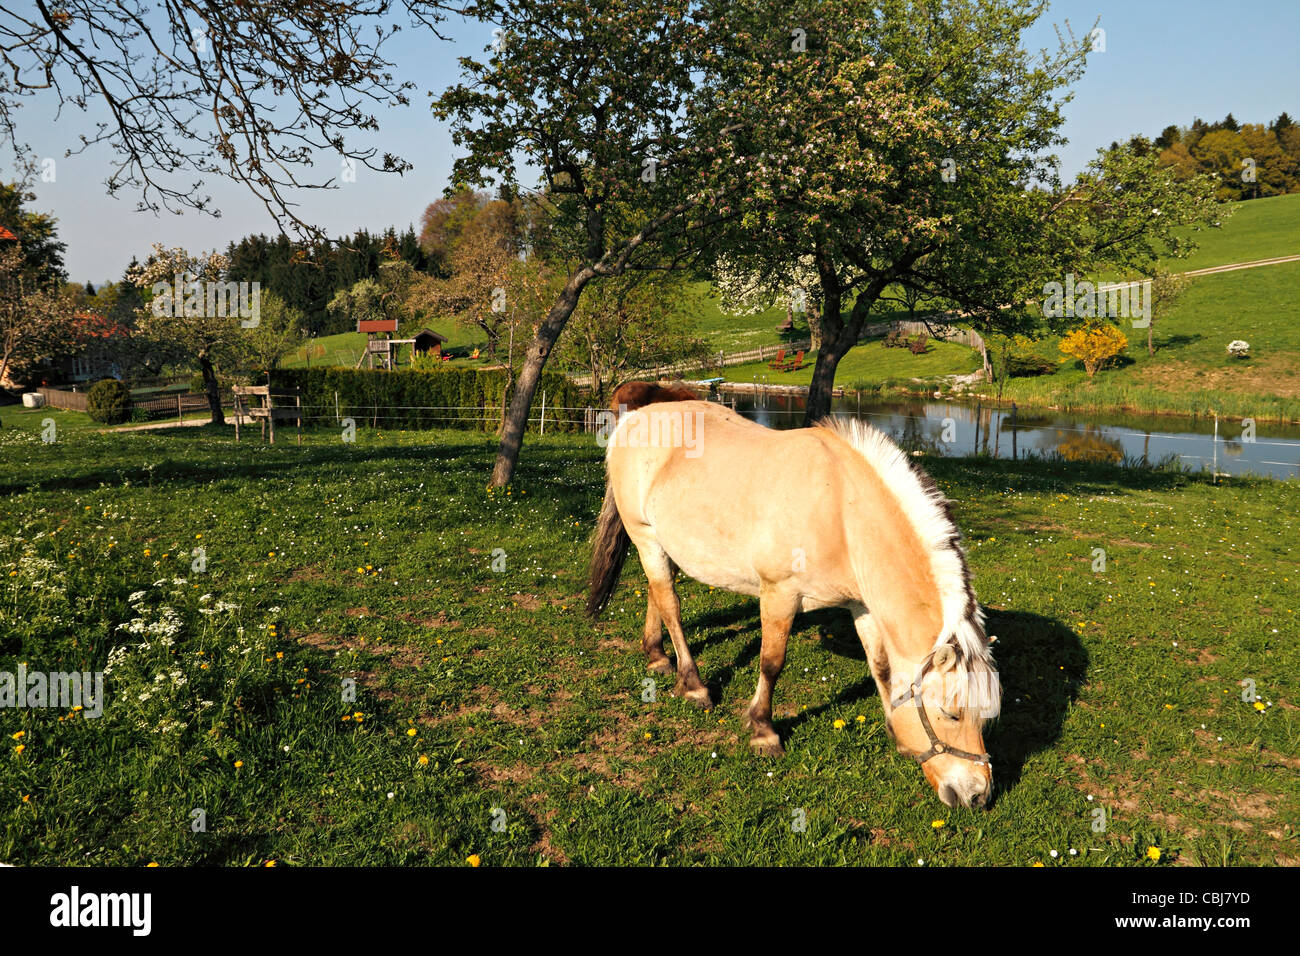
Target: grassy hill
<point x="1191" y="372"/>
<point x="1259" y="229"/>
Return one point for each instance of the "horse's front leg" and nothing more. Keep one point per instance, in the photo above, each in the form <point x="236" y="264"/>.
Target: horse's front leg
<point x="776" y="609"/>
<point x="877" y="657"/>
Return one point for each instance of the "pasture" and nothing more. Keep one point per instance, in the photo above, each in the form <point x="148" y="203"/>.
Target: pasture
<point x="494" y="725"/>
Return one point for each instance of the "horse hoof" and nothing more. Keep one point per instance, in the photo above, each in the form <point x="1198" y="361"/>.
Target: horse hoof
<point x="698" y="698"/>
<point x="767" y="746"/>
<point x="662" y="666"/>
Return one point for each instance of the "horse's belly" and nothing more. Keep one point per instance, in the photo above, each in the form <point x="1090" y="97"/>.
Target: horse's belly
<point x="716" y="576"/>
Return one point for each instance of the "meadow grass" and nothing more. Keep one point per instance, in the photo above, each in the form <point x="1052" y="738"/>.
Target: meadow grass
<point x="1191" y="372"/>
<point x="485" y="696"/>
<point x="870" y="363"/>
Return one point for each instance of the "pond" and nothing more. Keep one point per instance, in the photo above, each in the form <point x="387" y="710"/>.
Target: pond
<point x="948" y="428"/>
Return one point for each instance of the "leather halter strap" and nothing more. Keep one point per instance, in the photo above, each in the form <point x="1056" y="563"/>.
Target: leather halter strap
<point x="936" y="745"/>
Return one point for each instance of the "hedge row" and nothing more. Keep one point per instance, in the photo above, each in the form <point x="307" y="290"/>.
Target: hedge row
<point x="439" y="398"/>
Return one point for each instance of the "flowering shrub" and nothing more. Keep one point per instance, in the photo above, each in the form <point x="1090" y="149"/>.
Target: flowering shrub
<point x="1094" y="346"/>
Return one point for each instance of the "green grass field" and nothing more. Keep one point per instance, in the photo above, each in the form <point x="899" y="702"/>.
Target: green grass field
<point x="1191" y="372"/>
<point x="486" y="698"/>
<point x="870" y="364"/>
<point x="1258" y="229"/>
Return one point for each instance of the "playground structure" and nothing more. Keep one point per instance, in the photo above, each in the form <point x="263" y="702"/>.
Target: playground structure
<point x="382" y="348"/>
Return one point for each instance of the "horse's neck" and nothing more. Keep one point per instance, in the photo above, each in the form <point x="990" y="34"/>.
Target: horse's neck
<point x="908" y="624"/>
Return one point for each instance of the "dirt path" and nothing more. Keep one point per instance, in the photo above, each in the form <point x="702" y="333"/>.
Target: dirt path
<point x="186" y="423"/>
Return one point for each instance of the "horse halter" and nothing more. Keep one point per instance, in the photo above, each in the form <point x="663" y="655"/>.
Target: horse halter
<point x="937" y="746"/>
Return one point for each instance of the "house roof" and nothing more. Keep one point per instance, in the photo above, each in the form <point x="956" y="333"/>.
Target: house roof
<point x="6" y="234"/>
<point x="93" y="325"/>
<point x="440" y="338"/>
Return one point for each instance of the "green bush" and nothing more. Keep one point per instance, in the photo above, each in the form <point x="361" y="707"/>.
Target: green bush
<point x="109" y="402"/>
<point x="438" y="398"/>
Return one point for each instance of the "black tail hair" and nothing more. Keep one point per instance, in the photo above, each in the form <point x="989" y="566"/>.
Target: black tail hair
<point x="609" y="550"/>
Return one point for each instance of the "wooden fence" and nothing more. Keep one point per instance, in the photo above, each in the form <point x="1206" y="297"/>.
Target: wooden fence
<point x="967" y="337"/>
<point x="178" y="404"/>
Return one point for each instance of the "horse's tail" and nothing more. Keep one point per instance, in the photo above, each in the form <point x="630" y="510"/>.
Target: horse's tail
<point x="607" y="555"/>
<point x="609" y="549"/>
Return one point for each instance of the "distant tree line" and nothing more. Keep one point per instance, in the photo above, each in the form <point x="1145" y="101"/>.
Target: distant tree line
<point x="1250" y="160"/>
<point x="308" y="275"/>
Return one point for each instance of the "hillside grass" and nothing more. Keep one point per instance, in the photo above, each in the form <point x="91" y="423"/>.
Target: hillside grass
<point x="1257" y="229"/>
<point x="487" y="697"/>
<point x="870" y="364"/>
<point x="1191" y="372"/>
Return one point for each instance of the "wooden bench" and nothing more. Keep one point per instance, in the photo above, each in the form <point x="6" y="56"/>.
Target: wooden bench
<point x="267" y="405"/>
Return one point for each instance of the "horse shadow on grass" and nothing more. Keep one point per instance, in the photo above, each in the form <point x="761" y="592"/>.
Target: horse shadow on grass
<point x="1041" y="662"/>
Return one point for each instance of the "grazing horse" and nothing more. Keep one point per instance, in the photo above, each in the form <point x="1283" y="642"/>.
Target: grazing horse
<point x="829" y="516"/>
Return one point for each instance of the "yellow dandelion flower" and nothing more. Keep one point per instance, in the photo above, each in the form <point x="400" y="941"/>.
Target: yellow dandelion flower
<point x="412" y="732"/>
<point x="473" y="859"/>
<point x="861" y="719"/>
<point x="1037" y="863"/>
<point x="19" y="735"/>
<point x="147" y="865"/>
<point x="1258" y="705"/>
<point x="270" y="863"/>
<point x="238" y="764"/>
<point x="20" y="748"/>
<point x="647" y="735"/>
<point x="279" y="655"/>
<point x="1153" y="853"/>
<point x="839" y="724"/>
<point x="423" y="761"/>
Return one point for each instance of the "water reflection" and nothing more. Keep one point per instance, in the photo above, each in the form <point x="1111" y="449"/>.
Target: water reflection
<point x="945" y="428"/>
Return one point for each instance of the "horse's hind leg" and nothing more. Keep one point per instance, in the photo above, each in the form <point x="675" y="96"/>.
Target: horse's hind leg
<point x="652" y="640"/>
<point x="776" y="611"/>
<point x="663" y="594"/>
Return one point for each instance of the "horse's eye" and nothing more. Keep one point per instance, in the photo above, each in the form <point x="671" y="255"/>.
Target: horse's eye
<point x="948" y="715"/>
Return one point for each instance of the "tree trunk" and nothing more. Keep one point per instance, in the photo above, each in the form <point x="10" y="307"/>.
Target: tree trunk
<point x="823" y="378"/>
<point x="832" y="344"/>
<point x="212" y="390"/>
<point x="516" y="420"/>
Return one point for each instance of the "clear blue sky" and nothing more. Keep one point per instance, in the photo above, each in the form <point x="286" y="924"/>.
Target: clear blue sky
<point x="1165" y="62"/>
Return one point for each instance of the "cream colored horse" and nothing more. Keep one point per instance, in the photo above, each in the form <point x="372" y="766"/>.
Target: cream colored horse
<point x="830" y="516"/>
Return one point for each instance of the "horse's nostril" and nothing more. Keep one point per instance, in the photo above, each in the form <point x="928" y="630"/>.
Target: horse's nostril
<point x="979" y="800"/>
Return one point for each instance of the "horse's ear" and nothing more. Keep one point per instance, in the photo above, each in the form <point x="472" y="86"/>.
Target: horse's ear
<point x="945" y="657"/>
